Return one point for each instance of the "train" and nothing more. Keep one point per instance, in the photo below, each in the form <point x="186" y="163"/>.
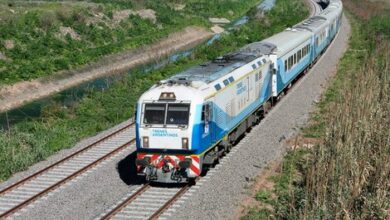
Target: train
<point x="186" y="123"/>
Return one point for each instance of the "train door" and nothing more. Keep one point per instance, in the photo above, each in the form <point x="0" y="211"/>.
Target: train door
<point x="257" y="86"/>
<point x="214" y="124"/>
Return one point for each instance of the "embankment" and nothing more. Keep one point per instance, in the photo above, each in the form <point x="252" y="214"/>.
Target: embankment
<point x="13" y="96"/>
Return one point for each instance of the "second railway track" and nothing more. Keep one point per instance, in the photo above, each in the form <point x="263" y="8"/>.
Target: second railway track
<point x="32" y="188"/>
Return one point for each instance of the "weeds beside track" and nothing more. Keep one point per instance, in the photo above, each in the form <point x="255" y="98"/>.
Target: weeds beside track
<point x="346" y="176"/>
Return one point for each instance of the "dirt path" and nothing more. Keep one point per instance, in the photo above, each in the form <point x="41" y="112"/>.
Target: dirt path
<point x="16" y="95"/>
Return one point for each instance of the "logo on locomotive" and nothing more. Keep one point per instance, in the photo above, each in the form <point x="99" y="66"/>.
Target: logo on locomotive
<point x="163" y="133"/>
<point x="240" y="88"/>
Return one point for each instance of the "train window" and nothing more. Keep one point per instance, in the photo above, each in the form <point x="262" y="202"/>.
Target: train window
<point x="288" y="64"/>
<point x="264" y="60"/>
<point x="217" y="87"/>
<point x="254" y="66"/>
<point x="178" y="114"/>
<point x="206" y="113"/>
<point x="259" y="63"/>
<point x="231" y="79"/>
<point x="154" y="113"/>
<point x="226" y="82"/>
<point x="203" y="112"/>
<point x="285" y="66"/>
<point x="295" y="59"/>
<point x="299" y="55"/>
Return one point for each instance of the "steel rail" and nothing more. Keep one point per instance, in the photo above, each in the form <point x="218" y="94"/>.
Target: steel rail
<point x="125" y="203"/>
<point x="66" y="179"/>
<point x="170" y="202"/>
<point x="112" y="213"/>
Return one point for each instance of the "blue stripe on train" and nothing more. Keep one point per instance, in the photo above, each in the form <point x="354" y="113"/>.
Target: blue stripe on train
<point x="285" y="78"/>
<point x="202" y="141"/>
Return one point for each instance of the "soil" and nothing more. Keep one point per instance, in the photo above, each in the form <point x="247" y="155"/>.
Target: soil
<point x="9" y="44"/>
<point x="143" y="13"/>
<point x="68" y="30"/>
<point x="2" y="56"/>
<point x="217" y="29"/>
<point x="302" y="142"/>
<point x="13" y="96"/>
<point x="262" y="182"/>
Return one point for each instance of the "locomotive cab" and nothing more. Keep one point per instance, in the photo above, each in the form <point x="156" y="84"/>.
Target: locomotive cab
<point x="164" y="120"/>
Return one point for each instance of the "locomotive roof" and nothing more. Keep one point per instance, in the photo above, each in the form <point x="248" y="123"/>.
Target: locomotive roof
<point x="259" y="48"/>
<point x="213" y="70"/>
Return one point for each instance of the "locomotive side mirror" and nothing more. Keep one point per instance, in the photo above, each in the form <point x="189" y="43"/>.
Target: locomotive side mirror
<point x="135" y="112"/>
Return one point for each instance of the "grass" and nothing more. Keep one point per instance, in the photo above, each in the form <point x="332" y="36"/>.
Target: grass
<point x="31" y="141"/>
<point x="347" y="176"/>
<point x="41" y="47"/>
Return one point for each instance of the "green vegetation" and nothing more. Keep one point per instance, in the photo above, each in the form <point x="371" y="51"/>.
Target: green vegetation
<point x="33" y="140"/>
<point x="348" y="175"/>
<point x="39" y="39"/>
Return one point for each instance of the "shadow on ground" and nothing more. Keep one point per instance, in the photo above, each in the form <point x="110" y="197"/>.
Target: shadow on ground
<point x="128" y="171"/>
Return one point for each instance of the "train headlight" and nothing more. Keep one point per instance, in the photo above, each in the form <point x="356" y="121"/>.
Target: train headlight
<point x="184" y="143"/>
<point x="145" y="142"/>
<point x="168" y="96"/>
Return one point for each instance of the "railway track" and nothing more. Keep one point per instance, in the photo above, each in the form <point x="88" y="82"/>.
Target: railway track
<point x="32" y="188"/>
<point x="146" y="202"/>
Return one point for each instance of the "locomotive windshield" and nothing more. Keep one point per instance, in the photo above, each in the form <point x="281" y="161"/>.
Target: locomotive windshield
<point x="178" y="114"/>
<point x="154" y="113"/>
<point x="166" y="114"/>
